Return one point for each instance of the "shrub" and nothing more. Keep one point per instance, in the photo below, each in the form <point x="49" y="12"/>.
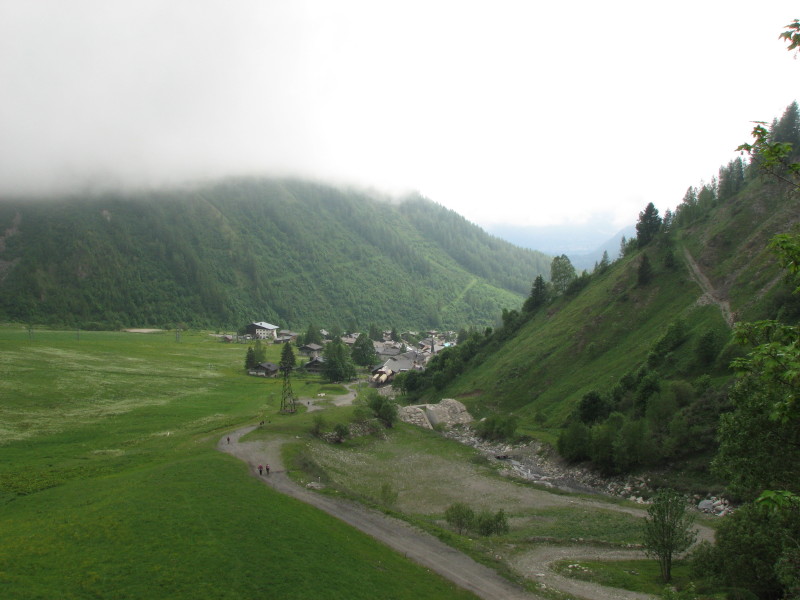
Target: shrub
<point x="341" y="431"/>
<point x="383" y="408"/>
<point x="574" y="443"/>
<point x="487" y="523"/>
<point x="497" y="428"/>
<point x="460" y="516"/>
<point x="593" y="408"/>
<point x="318" y="425"/>
<point x="388" y="494"/>
<point x="707" y="347"/>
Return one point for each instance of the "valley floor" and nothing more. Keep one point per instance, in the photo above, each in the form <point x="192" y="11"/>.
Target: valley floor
<point x="413" y="543"/>
<point x="428" y="551"/>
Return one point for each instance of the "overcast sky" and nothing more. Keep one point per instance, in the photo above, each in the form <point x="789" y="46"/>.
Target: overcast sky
<point x="520" y="112"/>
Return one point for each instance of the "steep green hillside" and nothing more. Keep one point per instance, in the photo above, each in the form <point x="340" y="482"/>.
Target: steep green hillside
<point x="638" y="357"/>
<point x="284" y="251"/>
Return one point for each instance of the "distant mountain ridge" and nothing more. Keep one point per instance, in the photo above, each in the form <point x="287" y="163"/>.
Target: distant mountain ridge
<point x="569" y="239"/>
<point x="583" y="244"/>
<point x="288" y="251"/>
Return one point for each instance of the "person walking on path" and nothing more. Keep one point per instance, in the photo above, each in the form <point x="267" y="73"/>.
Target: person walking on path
<point x="229" y="439"/>
<point x="260" y="469"/>
<point x="267" y="469"/>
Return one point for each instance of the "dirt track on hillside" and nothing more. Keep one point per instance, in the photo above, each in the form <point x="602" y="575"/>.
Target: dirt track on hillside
<point x="710" y="294"/>
<point x="433" y="554"/>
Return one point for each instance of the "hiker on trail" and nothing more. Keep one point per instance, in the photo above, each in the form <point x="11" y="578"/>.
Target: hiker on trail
<point x="229" y="439"/>
<point x="267" y="469"/>
<point x="260" y="469"/>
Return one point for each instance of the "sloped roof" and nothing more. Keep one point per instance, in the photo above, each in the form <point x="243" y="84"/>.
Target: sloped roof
<point x="263" y="325"/>
<point x="267" y="366"/>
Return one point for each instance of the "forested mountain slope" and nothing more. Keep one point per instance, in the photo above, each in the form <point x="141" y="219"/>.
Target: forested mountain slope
<point x="285" y="251"/>
<point x="629" y="367"/>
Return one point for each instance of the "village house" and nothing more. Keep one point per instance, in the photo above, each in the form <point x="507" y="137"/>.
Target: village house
<point x="311" y="350"/>
<point x="284" y="336"/>
<point x="262" y="331"/>
<point x="315" y="365"/>
<point x="408" y="361"/>
<point x="349" y="340"/>
<point x="265" y="369"/>
<point x="388" y="348"/>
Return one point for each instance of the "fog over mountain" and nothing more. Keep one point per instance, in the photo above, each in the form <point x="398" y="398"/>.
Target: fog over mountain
<point x="505" y="115"/>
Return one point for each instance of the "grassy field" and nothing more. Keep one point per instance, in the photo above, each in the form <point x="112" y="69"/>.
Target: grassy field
<point x="432" y="472"/>
<point x="636" y="575"/>
<point x="110" y="485"/>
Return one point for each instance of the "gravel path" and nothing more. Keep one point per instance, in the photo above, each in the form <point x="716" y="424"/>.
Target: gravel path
<point x="413" y="543"/>
<point x="538" y="564"/>
<point x="437" y="556"/>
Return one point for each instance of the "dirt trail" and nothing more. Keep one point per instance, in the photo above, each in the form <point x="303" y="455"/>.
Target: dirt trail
<point x="430" y="552"/>
<point x="347" y="399"/>
<point x="710" y="295"/>
<point x="413" y="543"/>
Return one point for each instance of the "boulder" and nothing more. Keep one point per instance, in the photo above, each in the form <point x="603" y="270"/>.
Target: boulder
<point x="447" y="413"/>
<point x="706" y="505"/>
<point x="415" y="416"/>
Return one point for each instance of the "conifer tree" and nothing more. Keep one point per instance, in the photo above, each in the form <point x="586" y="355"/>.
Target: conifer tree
<point x="787" y="129"/>
<point x="313" y="336"/>
<point x="605" y="262"/>
<point x="648" y="226"/>
<point x="364" y="351"/>
<point x="250" y="358"/>
<point x="338" y="363"/>
<point x="538" y="295"/>
<point x="288" y="360"/>
<point x="561" y="273"/>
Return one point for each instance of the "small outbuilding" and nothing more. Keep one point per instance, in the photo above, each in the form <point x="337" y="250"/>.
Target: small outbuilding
<point x="265" y="369"/>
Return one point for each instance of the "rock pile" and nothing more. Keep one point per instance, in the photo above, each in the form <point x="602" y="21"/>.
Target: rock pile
<point x="448" y="413"/>
<point x="531" y="461"/>
<point x="537" y="462"/>
<point x="715" y="506"/>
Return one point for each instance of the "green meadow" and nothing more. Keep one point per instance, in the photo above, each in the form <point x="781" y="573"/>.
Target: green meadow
<point x="111" y="486"/>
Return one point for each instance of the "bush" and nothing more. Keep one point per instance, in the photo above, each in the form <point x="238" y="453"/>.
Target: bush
<point x="574" y="443"/>
<point x="388" y="494"/>
<point x="318" y="425"/>
<point x="463" y="518"/>
<point x="593" y="408"/>
<point x="460" y="516"/>
<point x="497" y="428"/>
<point x="341" y="432"/>
<point x="487" y="523"/>
<point x="707" y="347"/>
<point x="384" y="409"/>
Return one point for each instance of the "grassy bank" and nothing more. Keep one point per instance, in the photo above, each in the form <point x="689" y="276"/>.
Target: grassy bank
<point x="111" y="487"/>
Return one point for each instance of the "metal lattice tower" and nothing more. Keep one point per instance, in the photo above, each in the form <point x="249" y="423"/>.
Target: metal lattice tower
<point x="287" y="398"/>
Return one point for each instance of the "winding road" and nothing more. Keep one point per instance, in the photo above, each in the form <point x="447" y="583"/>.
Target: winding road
<point x="415" y="544"/>
<point x="428" y="551"/>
